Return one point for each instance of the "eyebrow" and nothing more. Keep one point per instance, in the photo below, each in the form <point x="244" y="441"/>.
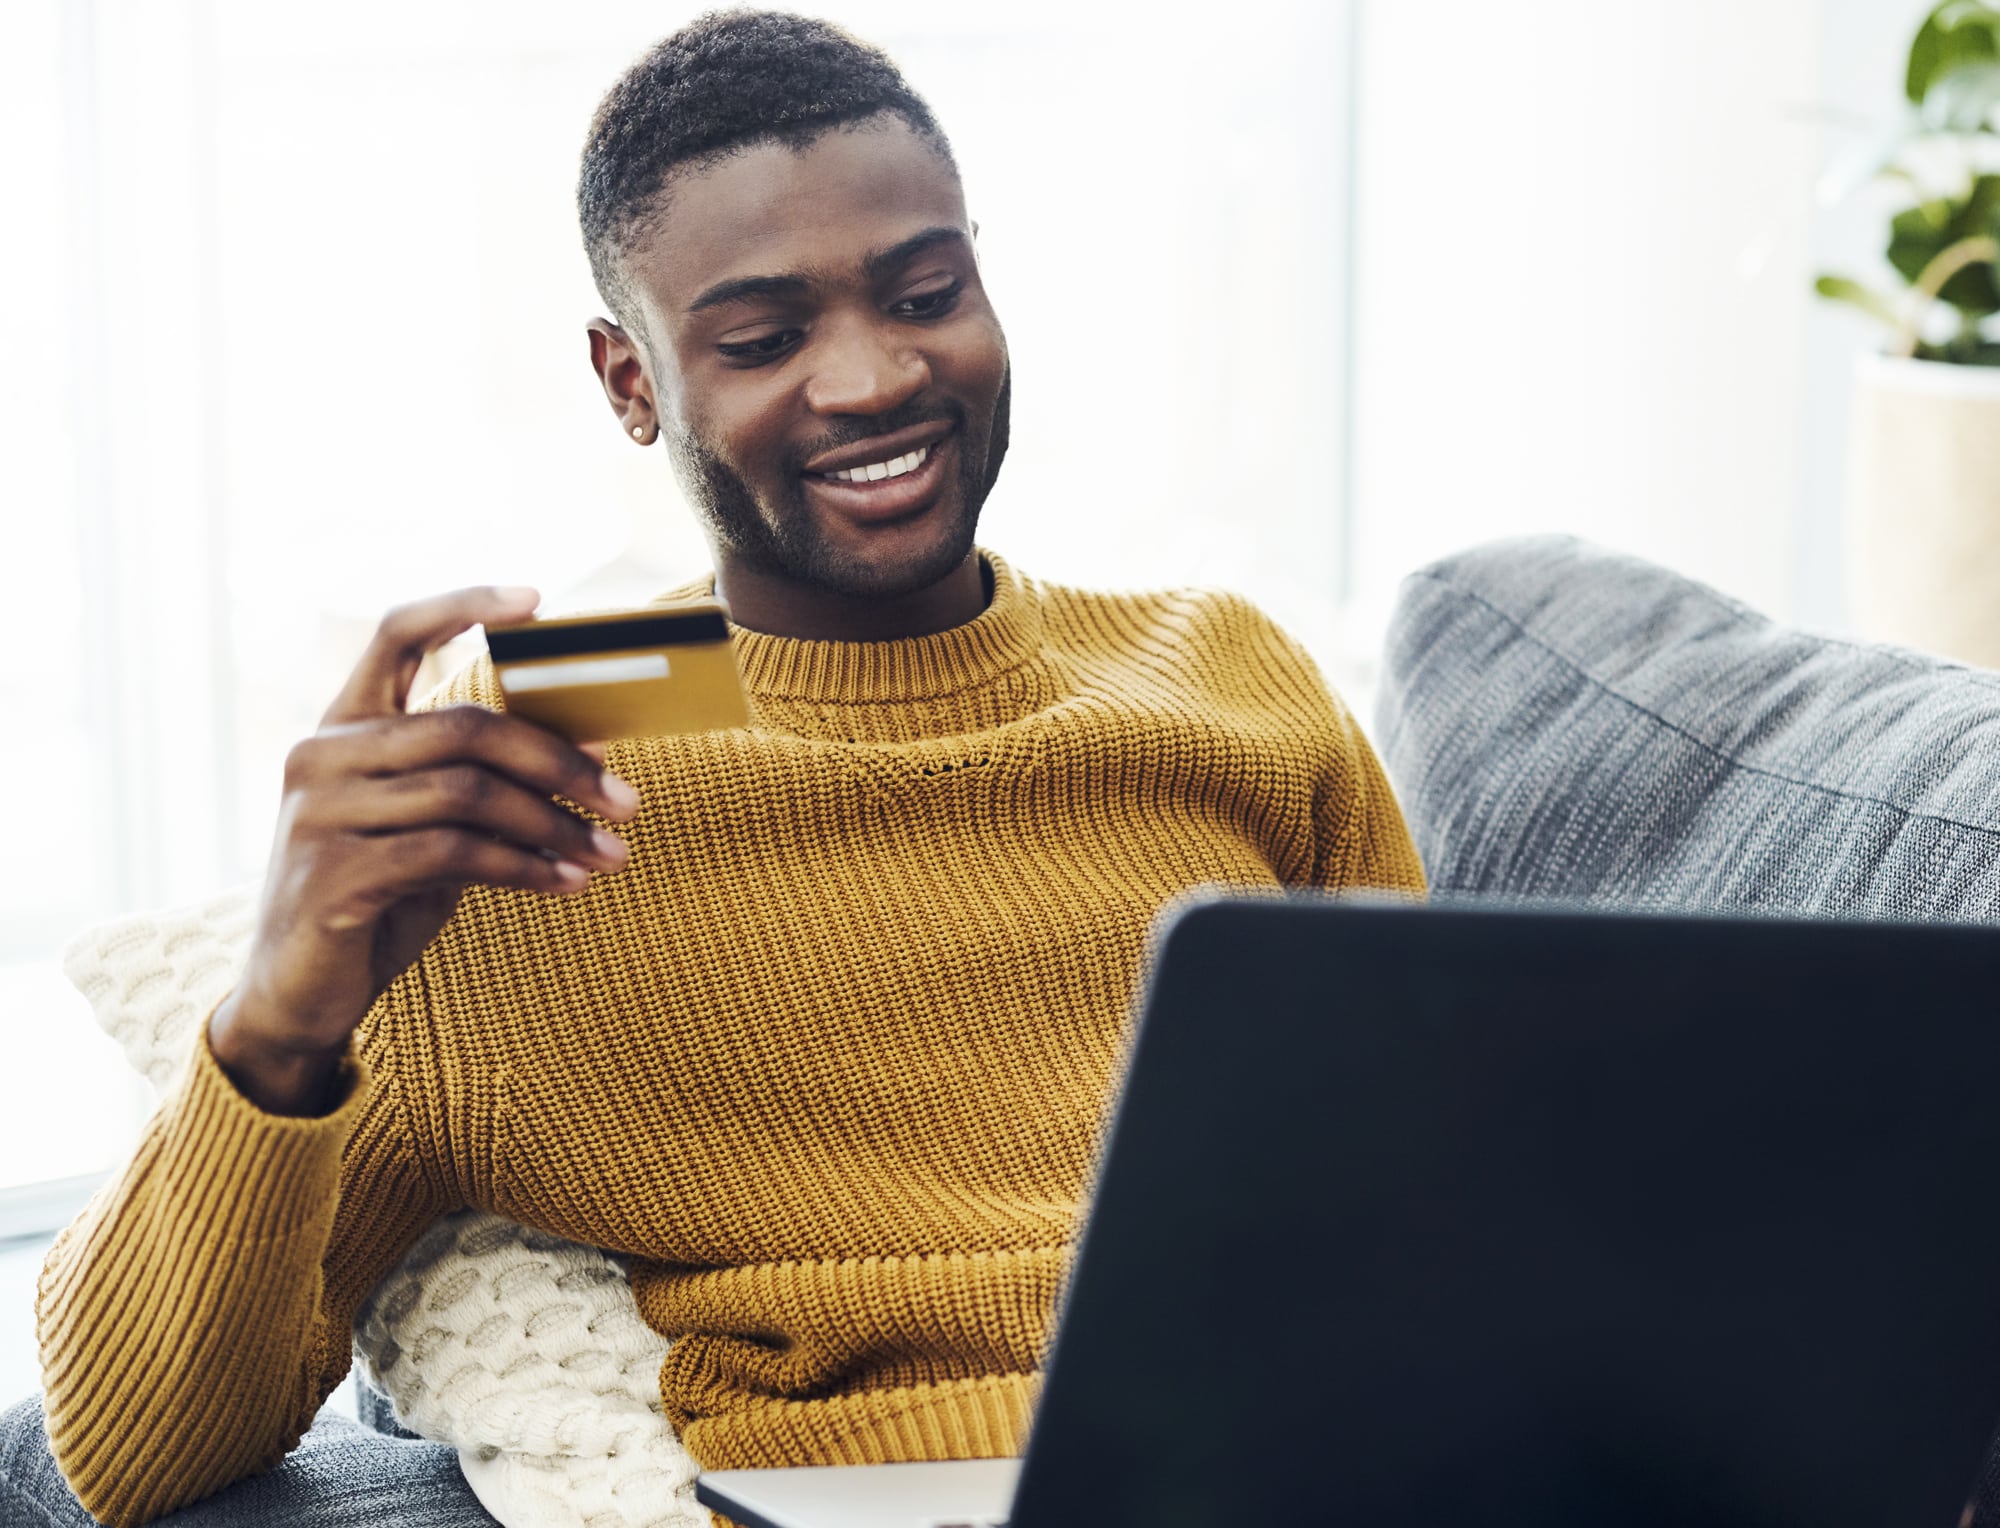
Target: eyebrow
<point x="876" y="264"/>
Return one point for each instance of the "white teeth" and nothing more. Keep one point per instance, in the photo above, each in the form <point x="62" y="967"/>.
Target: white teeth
<point x="874" y="472"/>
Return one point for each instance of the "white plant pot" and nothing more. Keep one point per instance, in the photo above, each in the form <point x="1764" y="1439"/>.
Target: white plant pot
<point x="1923" y="507"/>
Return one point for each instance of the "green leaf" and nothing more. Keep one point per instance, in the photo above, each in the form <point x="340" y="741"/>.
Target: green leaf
<point x="1854" y="294"/>
<point x="1917" y="235"/>
<point x="1963" y="100"/>
<point x="1921" y="233"/>
<point x="1973" y="290"/>
<point x="1979" y="353"/>
<point x="1955" y="34"/>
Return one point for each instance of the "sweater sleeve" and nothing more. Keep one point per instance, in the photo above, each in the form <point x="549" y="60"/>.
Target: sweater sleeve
<point x="197" y="1313"/>
<point x="1359" y="837"/>
<point x="1359" y="834"/>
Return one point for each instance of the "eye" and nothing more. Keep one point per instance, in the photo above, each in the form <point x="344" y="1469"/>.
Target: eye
<point x="929" y="304"/>
<point x="766" y="347"/>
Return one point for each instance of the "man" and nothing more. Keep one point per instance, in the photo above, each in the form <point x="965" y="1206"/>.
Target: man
<point x="821" y="1038"/>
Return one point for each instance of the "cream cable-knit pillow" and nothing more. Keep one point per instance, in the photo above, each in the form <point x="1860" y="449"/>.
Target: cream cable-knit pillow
<point x="523" y="1351"/>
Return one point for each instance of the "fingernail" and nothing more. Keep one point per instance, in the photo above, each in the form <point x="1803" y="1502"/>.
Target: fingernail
<point x="517" y="594"/>
<point x="621" y="796"/>
<point x="610" y="845"/>
<point x="572" y="874"/>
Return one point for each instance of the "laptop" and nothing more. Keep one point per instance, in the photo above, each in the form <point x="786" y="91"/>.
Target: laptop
<point x="1486" y="1215"/>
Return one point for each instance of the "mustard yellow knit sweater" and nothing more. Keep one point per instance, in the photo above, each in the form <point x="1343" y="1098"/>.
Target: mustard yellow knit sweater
<point x="827" y="1063"/>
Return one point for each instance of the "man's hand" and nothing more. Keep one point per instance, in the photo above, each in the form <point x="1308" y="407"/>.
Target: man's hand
<point x="386" y="819"/>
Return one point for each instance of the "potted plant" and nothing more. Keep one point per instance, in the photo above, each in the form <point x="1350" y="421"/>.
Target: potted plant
<point x="1923" y="492"/>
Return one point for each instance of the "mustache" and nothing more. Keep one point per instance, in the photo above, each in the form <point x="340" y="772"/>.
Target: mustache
<point x="867" y="428"/>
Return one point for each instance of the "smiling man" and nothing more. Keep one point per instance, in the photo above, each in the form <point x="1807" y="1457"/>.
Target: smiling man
<point x="820" y="1042"/>
<point x="800" y="315"/>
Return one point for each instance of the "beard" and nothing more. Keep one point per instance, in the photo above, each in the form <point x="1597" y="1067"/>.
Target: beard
<point x="784" y="538"/>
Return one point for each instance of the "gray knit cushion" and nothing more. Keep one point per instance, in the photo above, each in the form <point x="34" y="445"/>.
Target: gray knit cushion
<point x="1562" y="722"/>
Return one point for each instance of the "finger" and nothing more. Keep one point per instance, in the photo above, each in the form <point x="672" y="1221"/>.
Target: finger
<point x="531" y="755"/>
<point x="380" y="683"/>
<point x="431" y="857"/>
<point x="465" y="796"/>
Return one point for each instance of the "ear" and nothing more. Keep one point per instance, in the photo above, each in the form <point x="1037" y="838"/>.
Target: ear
<point x="621" y="367"/>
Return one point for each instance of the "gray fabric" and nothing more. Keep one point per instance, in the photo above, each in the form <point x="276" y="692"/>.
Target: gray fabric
<point x="1562" y="722"/>
<point x="341" y="1475"/>
<point x="374" y="1410"/>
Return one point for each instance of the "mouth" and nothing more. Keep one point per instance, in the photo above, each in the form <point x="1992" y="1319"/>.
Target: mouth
<point x="886" y="483"/>
<point x="875" y="472"/>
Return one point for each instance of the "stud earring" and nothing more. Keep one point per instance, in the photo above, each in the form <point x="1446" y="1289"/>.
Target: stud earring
<point x="638" y="432"/>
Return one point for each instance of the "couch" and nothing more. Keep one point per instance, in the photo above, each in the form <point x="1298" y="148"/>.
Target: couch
<point x="1563" y="722"/>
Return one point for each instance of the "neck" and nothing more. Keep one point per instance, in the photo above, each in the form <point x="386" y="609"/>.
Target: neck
<point x="767" y="601"/>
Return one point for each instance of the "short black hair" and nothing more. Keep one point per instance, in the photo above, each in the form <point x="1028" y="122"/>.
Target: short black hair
<point x="725" y="81"/>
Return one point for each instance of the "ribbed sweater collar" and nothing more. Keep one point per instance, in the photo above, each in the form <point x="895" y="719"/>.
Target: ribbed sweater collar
<point x="1002" y="637"/>
<point x="951" y="681"/>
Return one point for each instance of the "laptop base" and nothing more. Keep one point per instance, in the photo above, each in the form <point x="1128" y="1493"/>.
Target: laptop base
<point x="964" y="1493"/>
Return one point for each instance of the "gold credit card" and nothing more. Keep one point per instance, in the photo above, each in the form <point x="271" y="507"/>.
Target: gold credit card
<point x="623" y="673"/>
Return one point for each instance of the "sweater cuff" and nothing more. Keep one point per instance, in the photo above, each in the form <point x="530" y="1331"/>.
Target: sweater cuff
<point x="257" y="1175"/>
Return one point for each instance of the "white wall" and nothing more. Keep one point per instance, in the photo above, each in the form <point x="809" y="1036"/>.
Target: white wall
<point x="1585" y="238"/>
<point x="1864" y="45"/>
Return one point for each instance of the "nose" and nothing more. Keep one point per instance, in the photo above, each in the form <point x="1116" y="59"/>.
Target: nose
<point x="865" y="366"/>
